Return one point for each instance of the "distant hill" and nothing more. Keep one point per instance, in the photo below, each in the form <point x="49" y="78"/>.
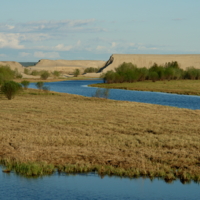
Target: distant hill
<point x="13" y="65"/>
<point x="67" y="66"/>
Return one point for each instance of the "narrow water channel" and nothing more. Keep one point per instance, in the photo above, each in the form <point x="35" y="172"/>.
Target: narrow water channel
<point x="81" y="88"/>
<point x="91" y="186"/>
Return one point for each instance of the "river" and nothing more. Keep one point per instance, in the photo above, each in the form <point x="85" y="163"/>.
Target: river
<point x="80" y="87"/>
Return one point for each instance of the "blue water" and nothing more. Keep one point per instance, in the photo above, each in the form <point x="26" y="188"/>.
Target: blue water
<point x="80" y="88"/>
<point x="91" y="186"/>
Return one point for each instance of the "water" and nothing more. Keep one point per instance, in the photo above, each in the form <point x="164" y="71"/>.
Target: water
<point x="91" y="186"/>
<point x="80" y="88"/>
<point x="27" y="64"/>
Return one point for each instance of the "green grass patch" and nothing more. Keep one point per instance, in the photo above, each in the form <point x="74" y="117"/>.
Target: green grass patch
<point x="186" y="87"/>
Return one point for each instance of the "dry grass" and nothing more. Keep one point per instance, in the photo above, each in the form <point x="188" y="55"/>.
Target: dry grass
<point x="187" y="87"/>
<point x="135" y="138"/>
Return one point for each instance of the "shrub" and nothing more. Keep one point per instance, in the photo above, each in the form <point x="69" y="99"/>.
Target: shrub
<point x="153" y="76"/>
<point x="102" y="93"/>
<point x="39" y="85"/>
<point x="26" y="71"/>
<point x="6" y="74"/>
<point x="56" y="73"/>
<point x="76" y="72"/>
<point x="45" y="75"/>
<point x="35" y="73"/>
<point x="91" y="70"/>
<point x="25" y="84"/>
<point x="192" y="73"/>
<point x="10" y="89"/>
<point x="17" y="74"/>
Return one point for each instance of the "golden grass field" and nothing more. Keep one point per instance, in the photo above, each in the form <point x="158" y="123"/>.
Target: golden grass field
<point x="137" y="138"/>
<point x="187" y="87"/>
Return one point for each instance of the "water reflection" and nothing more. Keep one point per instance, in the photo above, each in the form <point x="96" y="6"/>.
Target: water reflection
<point x="91" y="186"/>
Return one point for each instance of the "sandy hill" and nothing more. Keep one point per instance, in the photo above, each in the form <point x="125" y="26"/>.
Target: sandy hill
<point x="67" y="66"/>
<point x="147" y="60"/>
<point x="13" y="65"/>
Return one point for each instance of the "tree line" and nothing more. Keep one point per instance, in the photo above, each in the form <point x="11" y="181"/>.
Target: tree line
<point x="128" y="72"/>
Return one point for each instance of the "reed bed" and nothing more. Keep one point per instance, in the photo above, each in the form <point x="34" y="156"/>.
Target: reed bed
<point x="81" y="134"/>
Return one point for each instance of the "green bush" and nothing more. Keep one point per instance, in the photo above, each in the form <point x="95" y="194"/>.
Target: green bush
<point x="153" y="76"/>
<point x="27" y="71"/>
<point x="25" y="84"/>
<point x="10" y="89"/>
<point x="39" y="85"/>
<point x="56" y="73"/>
<point x="45" y="75"/>
<point x="6" y="74"/>
<point x="91" y="70"/>
<point x="76" y="72"/>
<point x="127" y="72"/>
<point x="17" y="74"/>
<point x="35" y="73"/>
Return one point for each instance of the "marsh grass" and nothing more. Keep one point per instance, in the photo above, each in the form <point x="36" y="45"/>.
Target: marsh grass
<point x="29" y="168"/>
<point x="186" y="87"/>
<point x="82" y="134"/>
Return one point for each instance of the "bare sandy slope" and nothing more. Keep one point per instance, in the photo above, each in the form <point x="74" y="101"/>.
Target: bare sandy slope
<point x="13" y="65"/>
<point x="67" y="66"/>
<point x="147" y="60"/>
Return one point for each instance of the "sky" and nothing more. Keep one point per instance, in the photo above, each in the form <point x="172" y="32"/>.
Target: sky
<point x="94" y="30"/>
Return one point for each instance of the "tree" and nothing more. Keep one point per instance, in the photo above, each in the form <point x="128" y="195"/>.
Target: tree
<point x="25" y="84"/>
<point x="45" y="75"/>
<point x="76" y="72"/>
<point x="10" y="89"/>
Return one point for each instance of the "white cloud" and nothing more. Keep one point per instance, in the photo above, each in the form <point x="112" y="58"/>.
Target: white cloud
<point x="100" y="48"/>
<point x="114" y="44"/>
<point x="40" y="54"/>
<point x="62" y="47"/>
<point x="24" y="54"/>
<point x="10" y="27"/>
<point x="10" y="40"/>
<point x="34" y="37"/>
<point x="50" y="26"/>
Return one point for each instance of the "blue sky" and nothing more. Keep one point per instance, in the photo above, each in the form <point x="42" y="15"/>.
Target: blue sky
<point x="93" y="30"/>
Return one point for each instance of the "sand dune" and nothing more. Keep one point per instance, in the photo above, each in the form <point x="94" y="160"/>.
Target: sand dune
<point x="13" y="65"/>
<point x="147" y="60"/>
<point x="67" y="66"/>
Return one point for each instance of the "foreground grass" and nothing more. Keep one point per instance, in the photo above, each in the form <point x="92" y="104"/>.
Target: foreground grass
<point x="81" y="134"/>
<point x="187" y="87"/>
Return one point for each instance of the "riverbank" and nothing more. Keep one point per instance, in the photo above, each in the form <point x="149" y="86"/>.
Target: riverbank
<point x="76" y="133"/>
<point x="186" y="87"/>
